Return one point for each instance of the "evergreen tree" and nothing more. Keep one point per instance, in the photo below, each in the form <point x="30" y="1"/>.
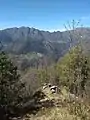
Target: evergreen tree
<point x="11" y="88"/>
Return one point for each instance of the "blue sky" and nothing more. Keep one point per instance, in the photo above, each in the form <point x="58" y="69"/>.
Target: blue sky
<point x="43" y="14"/>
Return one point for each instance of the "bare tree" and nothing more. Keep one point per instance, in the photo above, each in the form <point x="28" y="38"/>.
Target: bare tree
<point x="74" y="34"/>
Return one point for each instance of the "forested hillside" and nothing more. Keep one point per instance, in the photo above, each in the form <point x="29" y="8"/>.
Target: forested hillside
<point x="49" y="77"/>
<point x="24" y="43"/>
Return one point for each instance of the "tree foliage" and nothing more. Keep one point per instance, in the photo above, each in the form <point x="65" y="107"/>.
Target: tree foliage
<point x="11" y="88"/>
<point x="73" y="70"/>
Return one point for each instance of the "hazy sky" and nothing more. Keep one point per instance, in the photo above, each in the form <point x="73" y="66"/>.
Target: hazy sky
<point x="43" y="14"/>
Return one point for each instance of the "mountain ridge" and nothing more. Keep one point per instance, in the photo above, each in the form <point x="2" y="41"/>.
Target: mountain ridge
<point x="25" y="40"/>
<point x="14" y="35"/>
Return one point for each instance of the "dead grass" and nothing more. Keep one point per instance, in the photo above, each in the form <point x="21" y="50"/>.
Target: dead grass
<point x="53" y="114"/>
<point x="68" y="110"/>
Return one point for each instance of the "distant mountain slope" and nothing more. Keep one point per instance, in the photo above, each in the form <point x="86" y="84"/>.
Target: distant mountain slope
<point x="25" y="40"/>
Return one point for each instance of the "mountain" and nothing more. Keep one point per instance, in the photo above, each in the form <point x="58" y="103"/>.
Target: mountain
<point x="25" y="40"/>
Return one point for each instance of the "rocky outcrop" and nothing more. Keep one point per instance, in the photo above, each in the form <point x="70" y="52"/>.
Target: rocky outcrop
<point x="46" y="97"/>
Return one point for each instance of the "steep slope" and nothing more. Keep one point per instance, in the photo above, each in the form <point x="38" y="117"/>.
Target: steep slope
<point x="25" y="40"/>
